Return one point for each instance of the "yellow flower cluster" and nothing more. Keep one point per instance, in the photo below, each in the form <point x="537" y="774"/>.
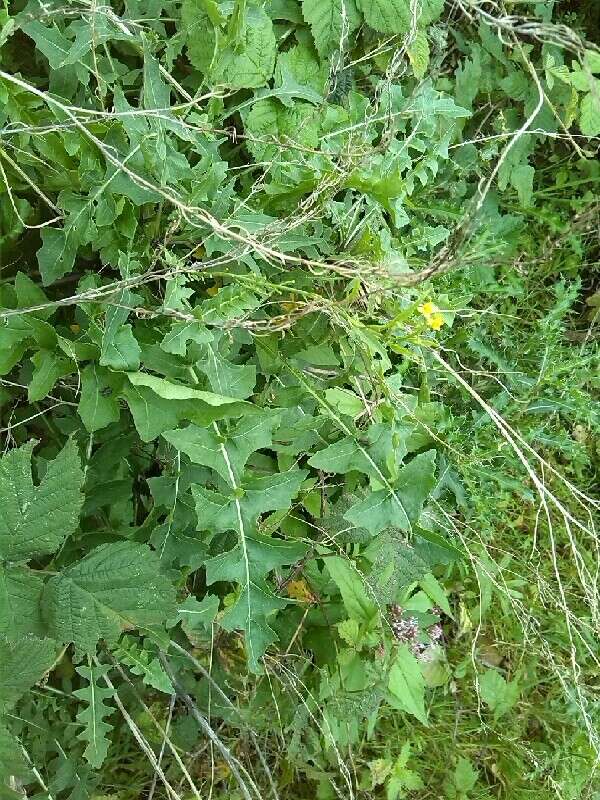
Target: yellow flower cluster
<point x="432" y="314"/>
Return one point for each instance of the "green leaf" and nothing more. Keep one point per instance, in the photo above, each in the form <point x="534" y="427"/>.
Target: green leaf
<point x="176" y="391"/>
<point x="395" y="16"/>
<point x="56" y="255"/>
<point x="197" y="617"/>
<point x="157" y="404"/>
<point x="139" y="661"/>
<point x="256" y="496"/>
<point x="256" y="602"/>
<point x="418" y="54"/>
<point x="234" y="380"/>
<point x="521" y="178"/>
<point x="20" y="593"/>
<point x="344" y="401"/>
<point x="401" y="507"/>
<point x="352" y="586"/>
<point x="175" y="341"/>
<point x="254" y="555"/>
<point x="406" y="685"/>
<point x="22" y="664"/>
<point x="115" y="587"/>
<point x="343" y="456"/>
<point x="248" y="64"/>
<point x="49" y="41"/>
<point x="589" y="112"/>
<point x="259" y="554"/>
<point x="48" y="368"/>
<point x="465" y="776"/>
<point x="93" y="716"/>
<point x="226" y="451"/>
<point x="497" y="693"/>
<point x="35" y="520"/>
<point x="99" y="401"/>
<point x="12" y="760"/>
<point x="331" y="23"/>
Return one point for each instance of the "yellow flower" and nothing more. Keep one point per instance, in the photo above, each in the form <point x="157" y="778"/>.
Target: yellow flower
<point x="435" y="321"/>
<point x="432" y="314"/>
<point x="427" y="309"/>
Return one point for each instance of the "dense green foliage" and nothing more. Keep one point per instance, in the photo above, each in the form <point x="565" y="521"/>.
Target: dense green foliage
<point x="299" y="372"/>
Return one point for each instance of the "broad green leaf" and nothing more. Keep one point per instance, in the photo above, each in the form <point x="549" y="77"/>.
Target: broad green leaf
<point x="395" y="564"/>
<point x="254" y="555"/>
<point x="35" y="520"/>
<point x="12" y="760"/>
<point x="157" y="404"/>
<point x="20" y="593"/>
<point x="49" y="41"/>
<point x="248" y="64"/>
<point x="435" y="591"/>
<point x="344" y="401"/>
<point x="115" y="587"/>
<point x="175" y="341"/>
<point x="589" y="112"/>
<point x="226" y="378"/>
<point x="300" y="66"/>
<point x="353" y="588"/>
<point x="227" y="450"/>
<point x="331" y="23"/>
<point x="56" y="255"/>
<point x="152" y="414"/>
<point x="256" y="496"/>
<point x="395" y="16"/>
<point x="120" y="350"/>
<point x="250" y="613"/>
<point x="93" y="716"/>
<point x="99" y="399"/>
<point x="465" y="776"/>
<point x="497" y="693"/>
<point x="406" y="684"/>
<point x="418" y="54"/>
<point x="197" y="616"/>
<point x="521" y="178"/>
<point x="199" y="27"/>
<point x="22" y="664"/>
<point x="401" y="507"/>
<point x="176" y="391"/>
<point x="259" y="554"/>
<point x="48" y="368"/>
<point x="343" y="456"/>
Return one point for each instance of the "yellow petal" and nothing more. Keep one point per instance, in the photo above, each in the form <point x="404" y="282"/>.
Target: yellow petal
<point x="427" y="309"/>
<point x="435" y="321"/>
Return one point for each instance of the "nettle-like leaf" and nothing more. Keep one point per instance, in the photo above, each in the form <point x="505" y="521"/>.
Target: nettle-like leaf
<point x="36" y="520"/>
<point x="20" y="594"/>
<point x="247" y="62"/>
<point x="115" y="587"/>
<point x="395" y="16"/>
<point x="12" y="759"/>
<point x="22" y="664"/>
<point x="331" y="23"/>
<point x="93" y="716"/>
